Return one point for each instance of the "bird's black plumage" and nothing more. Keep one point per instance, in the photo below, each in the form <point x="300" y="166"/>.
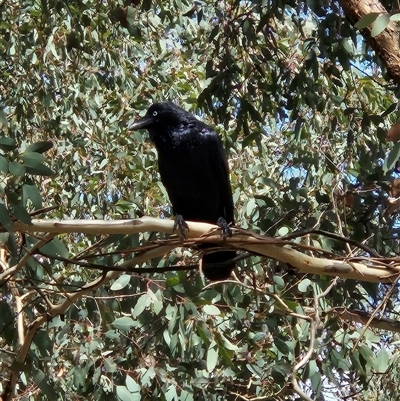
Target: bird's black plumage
<point x="194" y="170"/>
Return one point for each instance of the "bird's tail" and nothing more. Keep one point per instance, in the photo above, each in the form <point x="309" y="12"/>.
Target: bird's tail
<point x="218" y="265"/>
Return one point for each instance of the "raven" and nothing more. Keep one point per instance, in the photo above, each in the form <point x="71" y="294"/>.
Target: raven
<point x="194" y="170"/>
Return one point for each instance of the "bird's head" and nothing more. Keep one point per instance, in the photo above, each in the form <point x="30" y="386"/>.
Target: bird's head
<point x="161" y="115"/>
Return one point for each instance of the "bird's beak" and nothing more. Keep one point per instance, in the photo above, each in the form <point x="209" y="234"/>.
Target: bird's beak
<point x="143" y="122"/>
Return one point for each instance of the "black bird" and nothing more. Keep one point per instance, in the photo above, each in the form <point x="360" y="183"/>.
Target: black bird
<point x="194" y="170"/>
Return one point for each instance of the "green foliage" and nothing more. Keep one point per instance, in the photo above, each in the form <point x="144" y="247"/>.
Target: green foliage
<point x="302" y="104"/>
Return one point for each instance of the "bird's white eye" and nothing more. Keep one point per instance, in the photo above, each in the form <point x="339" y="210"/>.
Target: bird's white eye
<point x="154" y="113"/>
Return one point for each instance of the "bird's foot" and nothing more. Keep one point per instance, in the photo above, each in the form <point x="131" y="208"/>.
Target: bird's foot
<point x="181" y="224"/>
<point x="225" y="228"/>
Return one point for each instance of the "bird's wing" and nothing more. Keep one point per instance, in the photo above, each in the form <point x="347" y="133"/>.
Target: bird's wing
<point x="213" y="148"/>
<point x="195" y="173"/>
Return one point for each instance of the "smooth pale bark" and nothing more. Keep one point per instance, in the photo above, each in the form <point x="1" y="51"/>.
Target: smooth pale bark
<point x="372" y="269"/>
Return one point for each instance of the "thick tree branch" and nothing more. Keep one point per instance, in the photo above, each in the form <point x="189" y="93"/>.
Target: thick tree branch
<point x="373" y="270"/>
<point x="386" y="44"/>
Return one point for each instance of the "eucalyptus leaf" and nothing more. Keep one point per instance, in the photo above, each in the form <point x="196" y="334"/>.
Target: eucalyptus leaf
<point x="380" y="24"/>
<point x="39" y="169"/>
<point x="7" y="143"/>
<point x="366" y="20"/>
<point x="3" y="164"/>
<point x="39" y="147"/>
<point x="212" y="359"/>
<point x="16" y="168"/>
<point x="123" y="323"/>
